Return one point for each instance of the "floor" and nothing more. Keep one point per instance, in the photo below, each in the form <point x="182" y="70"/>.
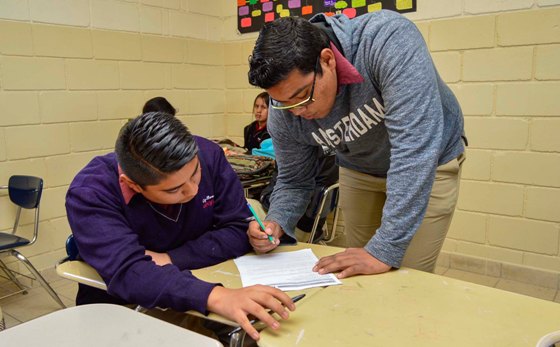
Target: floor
<point x="503" y="284"/>
<point x="37" y="302"/>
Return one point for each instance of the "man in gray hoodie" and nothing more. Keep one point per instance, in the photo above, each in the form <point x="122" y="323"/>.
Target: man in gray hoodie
<point x="368" y="89"/>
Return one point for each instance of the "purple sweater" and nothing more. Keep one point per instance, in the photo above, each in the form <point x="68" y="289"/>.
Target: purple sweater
<point x="112" y="235"/>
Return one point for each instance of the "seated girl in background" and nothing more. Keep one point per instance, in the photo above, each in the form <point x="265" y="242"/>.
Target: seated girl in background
<point x="256" y="132"/>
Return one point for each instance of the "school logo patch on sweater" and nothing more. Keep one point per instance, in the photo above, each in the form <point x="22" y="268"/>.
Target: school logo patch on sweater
<point x="208" y="201"/>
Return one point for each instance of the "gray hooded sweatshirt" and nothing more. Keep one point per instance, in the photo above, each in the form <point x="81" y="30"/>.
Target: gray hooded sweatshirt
<point x="401" y="122"/>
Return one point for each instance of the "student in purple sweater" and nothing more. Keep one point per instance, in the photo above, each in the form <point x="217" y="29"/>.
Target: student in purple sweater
<point x="165" y="203"/>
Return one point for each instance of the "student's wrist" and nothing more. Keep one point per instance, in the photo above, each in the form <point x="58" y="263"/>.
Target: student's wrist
<point x="215" y="297"/>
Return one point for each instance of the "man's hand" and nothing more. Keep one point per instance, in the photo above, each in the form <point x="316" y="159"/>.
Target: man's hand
<point x="159" y="258"/>
<point x="259" y="239"/>
<point x="237" y="304"/>
<point x="353" y="261"/>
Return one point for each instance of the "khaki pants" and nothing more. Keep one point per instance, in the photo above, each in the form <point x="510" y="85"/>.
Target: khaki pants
<point x="362" y="198"/>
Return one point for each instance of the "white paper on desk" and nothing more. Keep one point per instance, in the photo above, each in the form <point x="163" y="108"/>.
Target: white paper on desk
<point x="284" y="270"/>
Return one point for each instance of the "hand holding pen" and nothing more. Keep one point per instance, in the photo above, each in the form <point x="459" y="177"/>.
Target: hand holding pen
<point x="270" y="238"/>
<point x="264" y="237"/>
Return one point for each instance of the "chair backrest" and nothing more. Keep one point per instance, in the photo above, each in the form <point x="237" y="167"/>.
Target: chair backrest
<point x="71" y="248"/>
<point x="25" y="191"/>
<point x="323" y="203"/>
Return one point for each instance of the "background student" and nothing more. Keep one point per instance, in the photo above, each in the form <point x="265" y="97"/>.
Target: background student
<point x="164" y="203"/>
<point x="256" y="132"/>
<point x="159" y="104"/>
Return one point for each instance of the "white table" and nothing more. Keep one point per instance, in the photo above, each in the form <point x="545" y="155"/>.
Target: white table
<point x="101" y="325"/>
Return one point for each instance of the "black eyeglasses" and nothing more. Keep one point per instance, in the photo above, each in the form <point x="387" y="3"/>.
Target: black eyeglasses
<point x="302" y="103"/>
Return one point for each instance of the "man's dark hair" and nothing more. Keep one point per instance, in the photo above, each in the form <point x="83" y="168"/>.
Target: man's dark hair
<point x="153" y="145"/>
<point x="283" y="45"/>
<point x="159" y="104"/>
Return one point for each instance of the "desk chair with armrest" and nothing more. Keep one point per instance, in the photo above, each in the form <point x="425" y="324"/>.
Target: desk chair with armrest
<point x="75" y="269"/>
<point x="25" y="192"/>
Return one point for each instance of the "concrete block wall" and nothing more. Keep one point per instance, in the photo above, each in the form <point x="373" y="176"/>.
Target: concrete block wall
<point x="72" y="71"/>
<point x="508" y="208"/>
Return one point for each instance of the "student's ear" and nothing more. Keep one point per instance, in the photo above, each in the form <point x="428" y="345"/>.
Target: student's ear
<point x="130" y="183"/>
<point x="327" y="59"/>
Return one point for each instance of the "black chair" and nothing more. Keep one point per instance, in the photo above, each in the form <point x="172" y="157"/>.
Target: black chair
<point x="325" y="203"/>
<point x="25" y="192"/>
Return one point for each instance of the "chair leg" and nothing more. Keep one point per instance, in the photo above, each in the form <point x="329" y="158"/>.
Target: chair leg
<point x="38" y="276"/>
<point x="2" y="321"/>
<point x="12" y="277"/>
<point x="237" y="339"/>
<point x="140" y="309"/>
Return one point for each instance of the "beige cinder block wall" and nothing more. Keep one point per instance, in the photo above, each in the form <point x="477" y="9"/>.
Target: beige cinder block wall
<point x="505" y="69"/>
<point x="502" y="59"/>
<point x="72" y="72"/>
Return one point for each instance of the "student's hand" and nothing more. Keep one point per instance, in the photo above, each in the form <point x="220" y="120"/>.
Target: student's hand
<point x="259" y="239"/>
<point x="159" y="258"/>
<point x="237" y="304"/>
<point x="351" y="262"/>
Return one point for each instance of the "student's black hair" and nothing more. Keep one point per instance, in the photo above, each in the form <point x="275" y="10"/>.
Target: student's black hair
<point x="283" y="45"/>
<point x="159" y="104"/>
<point x="153" y="145"/>
<point x="264" y="96"/>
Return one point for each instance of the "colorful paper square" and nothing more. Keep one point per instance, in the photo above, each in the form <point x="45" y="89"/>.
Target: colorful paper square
<point x="243" y="11"/>
<point x="246" y="22"/>
<point x="349" y="12"/>
<point x="404" y="4"/>
<point x="294" y="3"/>
<point x="306" y="10"/>
<point x="269" y="17"/>
<point x="267" y="6"/>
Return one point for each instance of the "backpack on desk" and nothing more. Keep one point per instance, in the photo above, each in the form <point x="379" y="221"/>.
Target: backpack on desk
<point x="248" y="167"/>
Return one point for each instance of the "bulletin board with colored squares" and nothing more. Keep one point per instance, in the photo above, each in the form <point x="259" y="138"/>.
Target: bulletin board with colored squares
<point x="253" y="14"/>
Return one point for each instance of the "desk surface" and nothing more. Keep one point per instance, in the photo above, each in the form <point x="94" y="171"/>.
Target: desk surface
<point x="101" y="325"/>
<point x="404" y="307"/>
